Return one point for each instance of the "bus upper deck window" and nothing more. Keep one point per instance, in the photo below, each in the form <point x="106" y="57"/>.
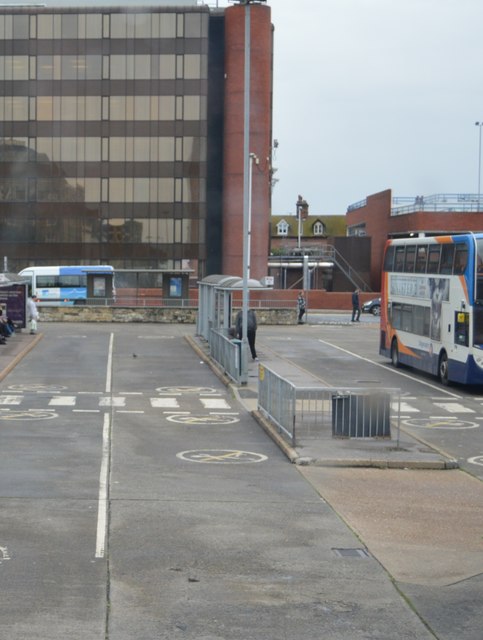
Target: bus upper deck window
<point x="410" y="258"/>
<point x="447" y="256"/>
<point x="421" y="258"/>
<point x="399" y="259"/>
<point x="460" y="259"/>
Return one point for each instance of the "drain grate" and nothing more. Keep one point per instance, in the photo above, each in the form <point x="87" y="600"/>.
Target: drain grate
<point x="351" y="553"/>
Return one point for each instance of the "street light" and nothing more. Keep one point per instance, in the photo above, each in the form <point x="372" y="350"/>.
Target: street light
<point x="479" y="125"/>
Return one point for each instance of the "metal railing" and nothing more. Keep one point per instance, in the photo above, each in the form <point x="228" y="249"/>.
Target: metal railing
<point x="440" y="202"/>
<point x="309" y="412"/>
<point x="226" y="351"/>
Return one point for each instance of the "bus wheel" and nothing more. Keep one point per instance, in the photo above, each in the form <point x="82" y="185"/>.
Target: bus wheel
<point x="443" y="368"/>
<point x="395" y="354"/>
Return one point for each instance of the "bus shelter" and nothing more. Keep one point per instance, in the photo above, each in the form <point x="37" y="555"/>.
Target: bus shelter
<point x="214" y="322"/>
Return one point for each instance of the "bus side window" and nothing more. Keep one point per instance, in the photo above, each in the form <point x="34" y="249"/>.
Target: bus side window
<point x="460" y="259"/>
<point x="389" y="259"/>
<point x="433" y="258"/>
<point x="399" y="259"/>
<point x="421" y="258"/>
<point x="410" y="258"/>
<point x="447" y="255"/>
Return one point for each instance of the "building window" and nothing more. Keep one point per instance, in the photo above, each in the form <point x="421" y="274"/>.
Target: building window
<point x="318" y="228"/>
<point x="282" y="228"/>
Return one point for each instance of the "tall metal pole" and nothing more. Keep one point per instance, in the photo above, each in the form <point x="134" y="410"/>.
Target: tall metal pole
<point x="479" y="125"/>
<point x="246" y="196"/>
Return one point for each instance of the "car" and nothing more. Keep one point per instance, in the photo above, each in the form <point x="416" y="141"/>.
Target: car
<point x="372" y="306"/>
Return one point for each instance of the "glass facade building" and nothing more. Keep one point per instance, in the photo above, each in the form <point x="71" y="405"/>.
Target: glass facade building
<point x="103" y="136"/>
<point x="120" y="136"/>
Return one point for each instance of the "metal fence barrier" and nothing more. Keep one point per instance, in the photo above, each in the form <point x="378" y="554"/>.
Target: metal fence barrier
<point x="227" y="352"/>
<point x="308" y="412"/>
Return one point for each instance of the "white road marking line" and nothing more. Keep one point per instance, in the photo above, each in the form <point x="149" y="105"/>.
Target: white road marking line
<point x="11" y="399"/>
<point x="109" y="364"/>
<point x="63" y="401"/>
<point x="115" y="401"/>
<point x="86" y="410"/>
<point x="128" y="411"/>
<point x="164" y="402"/>
<point x="404" y="406"/>
<point x="215" y="403"/>
<point x="454" y="407"/>
<point x="103" y="489"/>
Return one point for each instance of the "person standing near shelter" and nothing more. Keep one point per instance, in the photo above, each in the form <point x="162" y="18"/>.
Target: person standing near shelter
<point x="251" y="329"/>
<point x="301" y="306"/>
<point x="32" y="314"/>
<point x="356" y="306"/>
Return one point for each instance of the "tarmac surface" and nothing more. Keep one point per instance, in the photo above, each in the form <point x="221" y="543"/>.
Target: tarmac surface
<point x="412" y="509"/>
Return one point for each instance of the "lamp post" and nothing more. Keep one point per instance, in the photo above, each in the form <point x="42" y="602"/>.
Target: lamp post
<point x="246" y="194"/>
<point x="253" y="159"/>
<point x="479" y="125"/>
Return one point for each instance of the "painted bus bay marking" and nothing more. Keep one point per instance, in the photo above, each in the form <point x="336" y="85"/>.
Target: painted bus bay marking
<point x="453" y="407"/>
<point x="63" y="401"/>
<point x="440" y="422"/>
<point x="11" y="399"/>
<point x="103" y="489"/>
<point x="215" y="403"/>
<point x="221" y="456"/>
<point x="165" y="403"/>
<point x="212" y="419"/>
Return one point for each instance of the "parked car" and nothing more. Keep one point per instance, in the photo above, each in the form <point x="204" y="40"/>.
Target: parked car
<point x="372" y="306"/>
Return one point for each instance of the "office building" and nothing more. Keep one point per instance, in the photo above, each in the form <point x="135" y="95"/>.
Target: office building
<point x="121" y="135"/>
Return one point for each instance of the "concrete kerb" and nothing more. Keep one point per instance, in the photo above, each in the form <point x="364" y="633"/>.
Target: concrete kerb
<point x="20" y="356"/>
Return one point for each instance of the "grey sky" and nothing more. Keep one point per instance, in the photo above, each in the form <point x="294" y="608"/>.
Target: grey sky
<point x="375" y="94"/>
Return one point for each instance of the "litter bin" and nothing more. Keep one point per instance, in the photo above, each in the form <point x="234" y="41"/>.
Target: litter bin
<point x="361" y="415"/>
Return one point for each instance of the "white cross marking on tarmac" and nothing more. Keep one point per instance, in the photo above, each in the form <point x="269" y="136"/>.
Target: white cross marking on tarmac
<point x="112" y="402"/>
<point x="63" y="401"/>
<point x="164" y="402"/>
<point x="454" y="407"/>
<point x="215" y="403"/>
<point x="11" y="399"/>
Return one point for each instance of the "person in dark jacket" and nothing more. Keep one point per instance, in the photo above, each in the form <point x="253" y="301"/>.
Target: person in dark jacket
<point x="356" y="306"/>
<point x="251" y="329"/>
<point x="301" y="307"/>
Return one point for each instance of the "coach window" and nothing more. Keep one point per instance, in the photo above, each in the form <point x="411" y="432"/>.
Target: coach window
<point x="389" y="259"/>
<point x="399" y="259"/>
<point x="433" y="258"/>
<point x="410" y="259"/>
<point x="421" y="258"/>
<point x="447" y="255"/>
<point x="460" y="259"/>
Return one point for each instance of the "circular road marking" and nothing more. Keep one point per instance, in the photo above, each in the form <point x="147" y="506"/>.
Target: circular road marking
<point x="476" y="460"/>
<point x="36" y="387"/>
<point x="30" y="414"/>
<point x="178" y="390"/>
<point x="221" y="456"/>
<point x="214" y="418"/>
<point x="449" y="423"/>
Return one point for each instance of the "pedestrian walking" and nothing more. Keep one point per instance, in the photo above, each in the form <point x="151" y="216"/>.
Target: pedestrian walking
<point x="301" y="307"/>
<point x="32" y="314"/>
<point x="251" y="330"/>
<point x="356" y="306"/>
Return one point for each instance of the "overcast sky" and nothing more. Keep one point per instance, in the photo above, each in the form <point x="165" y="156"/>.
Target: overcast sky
<point x="375" y="94"/>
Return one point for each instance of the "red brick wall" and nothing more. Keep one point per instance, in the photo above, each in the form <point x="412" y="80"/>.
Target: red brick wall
<point x="260" y="137"/>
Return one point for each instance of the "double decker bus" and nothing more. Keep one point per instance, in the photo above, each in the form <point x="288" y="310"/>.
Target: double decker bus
<point x="64" y="285"/>
<point x="432" y="306"/>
